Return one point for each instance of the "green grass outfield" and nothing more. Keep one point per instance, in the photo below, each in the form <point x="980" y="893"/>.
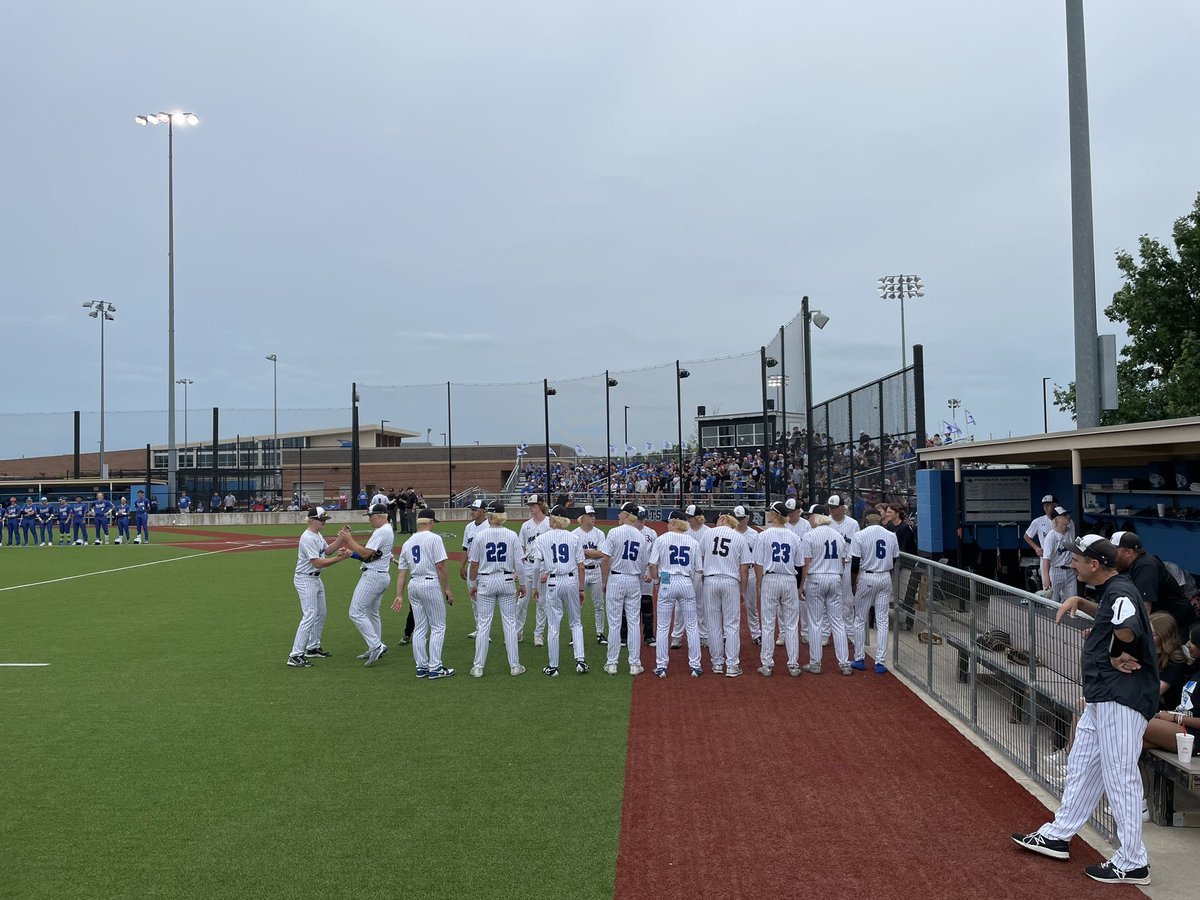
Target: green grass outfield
<point x="168" y="751"/>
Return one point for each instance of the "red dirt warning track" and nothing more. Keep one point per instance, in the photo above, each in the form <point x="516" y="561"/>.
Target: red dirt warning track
<point x="824" y="787"/>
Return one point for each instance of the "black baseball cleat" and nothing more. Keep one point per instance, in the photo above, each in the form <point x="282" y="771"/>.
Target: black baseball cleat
<point x="1043" y="845"/>
<point x="318" y="652"/>
<point x="552" y="671"/>
<point x="581" y="667"/>
<point x="404" y="640"/>
<point x="298" y="661"/>
<point x="1110" y="874"/>
<point x="601" y="639"/>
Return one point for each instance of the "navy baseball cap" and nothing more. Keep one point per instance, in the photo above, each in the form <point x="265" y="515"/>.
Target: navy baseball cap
<point x="643" y="513"/>
<point x="426" y="515"/>
<point x="817" y="510"/>
<point x="676" y="515"/>
<point x="560" y="512"/>
<point x="495" y="507"/>
<point x="693" y="510"/>
<point x="318" y="512"/>
<point x="1094" y="546"/>
<point x="379" y="509"/>
<point x="780" y="509"/>
<point x="629" y="508"/>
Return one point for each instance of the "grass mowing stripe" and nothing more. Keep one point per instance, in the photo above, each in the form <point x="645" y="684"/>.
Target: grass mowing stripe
<point x="157" y="562"/>
<point x="175" y="755"/>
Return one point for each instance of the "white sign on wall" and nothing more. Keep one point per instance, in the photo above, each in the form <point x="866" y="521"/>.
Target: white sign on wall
<point x="996" y="499"/>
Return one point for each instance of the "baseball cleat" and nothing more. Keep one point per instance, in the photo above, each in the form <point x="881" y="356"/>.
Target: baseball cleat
<point x="718" y="668"/>
<point x="703" y="642"/>
<point x="476" y="671"/>
<point x="1043" y="845"/>
<point x="317" y="652"/>
<point x="601" y="639"/>
<point x="440" y="672"/>
<point x="137" y="540"/>
<point x="696" y="673"/>
<point x="1110" y="874"/>
<point x="757" y="640"/>
<point x="880" y="669"/>
<point x="636" y="670"/>
<point x="517" y="670"/>
<point x="859" y="665"/>
<point x="779" y="641"/>
<point x="610" y="669"/>
<point x="765" y="671"/>
<point x="373" y="656"/>
<point x="550" y="671"/>
<point x="846" y="670"/>
<point x="97" y="542"/>
<point x="581" y="667"/>
<point x="363" y="655"/>
<point x="794" y="671"/>
<point x="405" y="639"/>
<point x="537" y="641"/>
<point x="813" y="668"/>
<point x="825" y="641"/>
<point x="676" y="643"/>
<point x="299" y="662"/>
<point x="660" y="672"/>
<point x="733" y="671"/>
<point x="422" y="672"/>
<point x="117" y="541"/>
<point x="472" y="635"/>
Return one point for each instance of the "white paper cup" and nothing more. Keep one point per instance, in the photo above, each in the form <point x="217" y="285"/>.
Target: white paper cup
<point x="1183" y="745"/>
<point x="1112" y="509"/>
<point x="1162" y="510"/>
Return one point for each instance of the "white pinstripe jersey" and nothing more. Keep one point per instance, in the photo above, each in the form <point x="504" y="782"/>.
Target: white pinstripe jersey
<point x="876" y="549"/>
<point x="677" y="553"/>
<point x="421" y="553"/>
<point x="827" y="549"/>
<point x="557" y="552"/>
<point x="1056" y="547"/>
<point x="529" y="532"/>
<point x="627" y="549"/>
<point x="724" y="552"/>
<point x="382" y="539"/>
<point x="779" y="551"/>
<point x="469" y="533"/>
<point x="800" y="527"/>
<point x="312" y="546"/>
<point x="496" y="549"/>
<point x="847" y="528"/>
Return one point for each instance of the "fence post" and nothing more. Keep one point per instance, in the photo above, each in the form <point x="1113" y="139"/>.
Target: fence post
<point x="933" y="573"/>
<point x="1031" y="695"/>
<point x="973" y="669"/>
<point x="896" y="571"/>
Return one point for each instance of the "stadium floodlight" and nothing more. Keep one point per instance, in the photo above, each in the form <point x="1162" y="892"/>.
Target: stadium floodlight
<point x="170" y="120"/>
<point x="609" y="383"/>
<point x="820" y="319"/>
<point x="99" y="309"/>
<point x="680" y="374"/>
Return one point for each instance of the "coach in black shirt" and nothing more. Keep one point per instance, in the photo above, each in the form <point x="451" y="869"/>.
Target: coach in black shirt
<point x="1159" y="588"/>
<point x="1120" y="685"/>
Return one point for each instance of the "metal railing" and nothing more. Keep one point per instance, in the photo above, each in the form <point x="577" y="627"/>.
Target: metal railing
<point x="993" y="656"/>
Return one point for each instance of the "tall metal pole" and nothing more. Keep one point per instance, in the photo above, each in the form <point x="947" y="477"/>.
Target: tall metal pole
<point x="679" y="425"/>
<point x="449" y="445"/>
<point x="185" y="412"/>
<point x="762" y="361"/>
<point x="103" y="467"/>
<point x="608" y="435"/>
<point x="1045" y="408"/>
<point x="626" y="437"/>
<point x="172" y="454"/>
<point x="275" y="401"/>
<point x="546" y="406"/>
<point x="783" y="409"/>
<point x="1087" y="361"/>
<point x="355" y="461"/>
<point x="808" y="406"/>
<point x="75" y="467"/>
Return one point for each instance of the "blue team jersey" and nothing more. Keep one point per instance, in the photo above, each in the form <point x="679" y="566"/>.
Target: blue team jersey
<point x="101" y="509"/>
<point x="142" y="506"/>
<point x="64" y="512"/>
<point x="123" y="509"/>
<point x="45" y="511"/>
<point x="79" y="510"/>
<point x="11" y="512"/>
<point x="185" y="502"/>
<point x="27" y="511"/>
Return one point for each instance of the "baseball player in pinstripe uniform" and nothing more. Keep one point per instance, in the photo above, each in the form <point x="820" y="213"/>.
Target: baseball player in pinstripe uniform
<point x="800" y="527"/>
<point x="725" y="558"/>
<point x="312" y="559"/>
<point x="536" y="524"/>
<point x="423" y="559"/>
<point x="674" y="567"/>
<point x="625" y="554"/>
<point x="1058" y="576"/>
<point x="477" y="522"/>
<point x="558" y="556"/>
<point x="375" y="557"/>
<point x="1121" y="687"/>
<point x="778" y="559"/>
<point x="750" y="536"/>
<point x="492" y="568"/>
<point x="873" y="552"/>
<point x="589" y="537"/>
<point x="825" y="557"/>
<point x="846" y="527"/>
<point x="697" y="529"/>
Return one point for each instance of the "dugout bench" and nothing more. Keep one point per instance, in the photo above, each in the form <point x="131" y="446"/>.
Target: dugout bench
<point x="1166" y="774"/>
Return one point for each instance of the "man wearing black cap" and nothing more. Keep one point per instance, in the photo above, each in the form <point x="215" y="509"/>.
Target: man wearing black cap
<point x="558" y="557"/>
<point x="376" y="557"/>
<point x="1160" y="590"/>
<point x="589" y="537"/>
<point x="778" y="557"/>
<point x="1120" y="685"/>
<point x="315" y="555"/>
<point x="477" y="522"/>
<point x="625" y="553"/>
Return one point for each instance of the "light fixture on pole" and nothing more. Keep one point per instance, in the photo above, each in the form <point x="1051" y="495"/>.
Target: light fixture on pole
<point x="902" y="287"/>
<point x="185" y="382"/>
<point x="609" y="383"/>
<point x="627" y="437"/>
<point x="548" y="392"/>
<point x="170" y="120"/>
<point x="818" y="318"/>
<point x="680" y="374"/>
<point x="767" y="362"/>
<point x="276" y="457"/>
<point x="104" y="312"/>
<point x="954" y="403"/>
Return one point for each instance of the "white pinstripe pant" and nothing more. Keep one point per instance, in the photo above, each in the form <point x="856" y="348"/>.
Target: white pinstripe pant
<point x="562" y="592"/>
<point x="1104" y="760"/>
<point x="429" y="621"/>
<point x="1062" y="583"/>
<point x="752" y="619"/>
<point x="312" y="613"/>
<point x="701" y="619"/>
<point x="490" y="591"/>
<point x="364" y="606"/>
<point x="781" y="599"/>
<point x="624" y="595"/>
<point x="595" y="593"/>
<point x="823" y="594"/>
<point x="676" y="597"/>
<point x="722" y="596"/>
<point x="874" y="589"/>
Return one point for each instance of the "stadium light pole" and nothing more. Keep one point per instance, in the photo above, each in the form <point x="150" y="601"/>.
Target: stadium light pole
<point x="274" y="361"/>
<point x="548" y="392"/>
<point x="626" y="437"/>
<point x="170" y="120"/>
<point x="99" y="309"/>
<point x="902" y="287"/>
<point x="680" y="374"/>
<point x="609" y="384"/>
<point x="813" y="317"/>
<point x="185" y="382"/>
<point x="1045" y="408"/>
<point x="766" y="362"/>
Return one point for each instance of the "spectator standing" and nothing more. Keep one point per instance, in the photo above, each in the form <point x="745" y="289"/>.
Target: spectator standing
<point x="1159" y="589"/>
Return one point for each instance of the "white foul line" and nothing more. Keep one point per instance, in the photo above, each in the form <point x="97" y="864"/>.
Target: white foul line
<point x="157" y="562"/>
<point x="24" y="665"/>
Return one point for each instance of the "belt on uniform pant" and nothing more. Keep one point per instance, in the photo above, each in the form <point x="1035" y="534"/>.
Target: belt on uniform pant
<point x="313" y="574"/>
<point x="562" y="575"/>
<point x="592" y="566"/>
<point x="1065" y="568"/>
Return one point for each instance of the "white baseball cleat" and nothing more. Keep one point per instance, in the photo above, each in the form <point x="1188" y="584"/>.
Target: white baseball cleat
<point x="476" y="671"/>
<point x="610" y="669"/>
<point x="636" y="670"/>
<point x="517" y="670"/>
<point x="537" y="641"/>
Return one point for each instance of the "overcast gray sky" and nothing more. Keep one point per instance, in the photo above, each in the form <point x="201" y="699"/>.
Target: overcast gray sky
<point x="481" y="191"/>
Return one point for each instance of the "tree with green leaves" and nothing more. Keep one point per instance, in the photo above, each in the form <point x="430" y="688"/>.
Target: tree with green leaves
<point x="1158" y="374"/>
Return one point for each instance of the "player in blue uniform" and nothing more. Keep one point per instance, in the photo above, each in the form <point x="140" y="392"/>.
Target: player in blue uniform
<point x="45" y="522"/>
<point x="12" y="521"/>
<point x="29" y="523"/>
<point x="122" y="516"/>
<point x="141" y="512"/>
<point x="63" y="514"/>
<point x="185" y="503"/>
<point x="101" y="510"/>
<point x="79" y="513"/>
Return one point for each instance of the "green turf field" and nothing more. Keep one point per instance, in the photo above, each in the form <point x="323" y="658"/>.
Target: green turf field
<point x="168" y="751"/>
